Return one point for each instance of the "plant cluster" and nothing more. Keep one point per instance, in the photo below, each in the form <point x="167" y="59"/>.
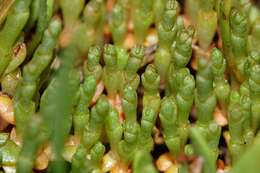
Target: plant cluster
<point x="122" y="86"/>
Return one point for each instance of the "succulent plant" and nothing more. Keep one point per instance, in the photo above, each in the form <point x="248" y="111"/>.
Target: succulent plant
<point x="121" y="86"/>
